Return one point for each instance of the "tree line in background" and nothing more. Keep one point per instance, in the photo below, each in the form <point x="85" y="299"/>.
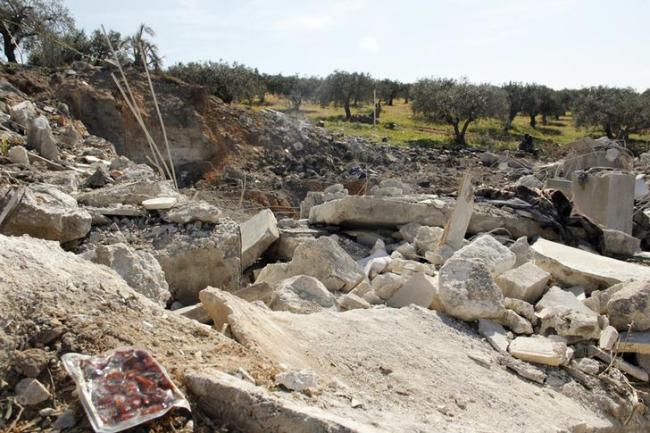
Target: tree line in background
<point x="44" y="30"/>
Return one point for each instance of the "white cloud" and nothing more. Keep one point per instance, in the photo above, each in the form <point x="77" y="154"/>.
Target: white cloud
<point x="326" y="17"/>
<point x="304" y="22"/>
<point x="369" y="45"/>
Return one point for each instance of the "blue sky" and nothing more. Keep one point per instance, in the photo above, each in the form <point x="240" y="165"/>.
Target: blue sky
<point x="560" y="43"/>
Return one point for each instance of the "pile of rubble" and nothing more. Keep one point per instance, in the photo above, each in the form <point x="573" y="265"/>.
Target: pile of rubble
<point x="400" y="309"/>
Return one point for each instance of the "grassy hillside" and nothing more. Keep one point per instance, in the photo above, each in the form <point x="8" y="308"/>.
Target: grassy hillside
<point x="408" y="130"/>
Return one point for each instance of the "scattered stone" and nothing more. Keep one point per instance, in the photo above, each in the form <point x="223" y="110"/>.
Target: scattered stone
<point x="65" y="421"/>
<point x="456" y="227"/>
<point x="515" y="322"/>
<point x="140" y="270"/>
<point x="191" y="211"/>
<point x="47" y="213"/>
<point x="521" y="249"/>
<point x="420" y="289"/>
<point x="496" y="257"/>
<point x="586" y="365"/>
<point x="300" y="381"/>
<point x="539" y="349"/>
<point x="195" y="312"/>
<point x="31" y="362"/>
<point x="99" y="178"/>
<point x="480" y="358"/>
<point x="523" y="308"/>
<point x="133" y="193"/>
<point x="409" y="231"/>
<point x="257" y="292"/>
<point x="562" y="312"/>
<point x="350" y="301"/>
<point x="523" y="369"/>
<point x="526" y="282"/>
<point x="467" y="292"/>
<point x="23" y="113"/>
<point x="608" y="338"/>
<point x="624" y="366"/>
<point x="574" y="267"/>
<point x="385" y="285"/>
<point x="302" y="294"/>
<point x="39" y="137"/>
<point x="30" y="392"/>
<point x="619" y="243"/>
<point x="159" y="203"/>
<point x="322" y="259"/>
<point x="630" y="306"/>
<point x="18" y="155"/>
<point x="257" y="235"/>
<point x="495" y="334"/>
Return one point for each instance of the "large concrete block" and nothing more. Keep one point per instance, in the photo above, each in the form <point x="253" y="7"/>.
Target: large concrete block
<point x="257" y="234"/>
<point x="607" y="197"/>
<point x="540" y="350"/>
<point x="420" y="289"/>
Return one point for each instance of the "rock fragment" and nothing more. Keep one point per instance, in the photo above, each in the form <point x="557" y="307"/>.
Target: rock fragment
<point x="302" y="294"/>
<point x="420" y="289"/>
<point x="540" y="350"/>
<point x="257" y="234"/>
<point x="496" y="257"/>
<point x="527" y="282"/>
<point x="630" y="306"/>
<point x="30" y="392"/>
<point x="495" y="334"/>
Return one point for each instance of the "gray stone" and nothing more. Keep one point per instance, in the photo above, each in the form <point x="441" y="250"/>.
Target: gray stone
<point x="427" y="239"/>
<point x="47" y="213"/>
<point x="30" y="392"/>
<point x="18" y="155"/>
<point x="420" y="289"/>
<point x="496" y="257"/>
<point x="495" y="334"/>
<point x="522" y="251"/>
<point x="31" y="362"/>
<point x="300" y="381"/>
<point x="127" y="193"/>
<point x="39" y="137"/>
<point x="608" y="338"/>
<point x="515" y="322"/>
<point x="620" y="244"/>
<point x="257" y="234"/>
<point x="540" y="350"/>
<point x="99" y="178"/>
<point x="527" y="282"/>
<point x="523" y="369"/>
<point x="630" y="306"/>
<point x="160" y="203"/>
<point x="140" y="270"/>
<point x="523" y="308"/>
<point x="23" y="113"/>
<point x="467" y="292"/>
<point x="322" y="259"/>
<point x="385" y="285"/>
<point x="574" y="267"/>
<point x="195" y="312"/>
<point x="350" y="301"/>
<point x="189" y="211"/>
<point x="587" y="365"/>
<point x="257" y="292"/>
<point x="562" y="312"/>
<point x="302" y="294"/>
<point x="409" y="231"/>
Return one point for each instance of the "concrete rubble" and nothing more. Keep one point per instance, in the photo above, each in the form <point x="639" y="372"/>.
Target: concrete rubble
<point x="388" y="306"/>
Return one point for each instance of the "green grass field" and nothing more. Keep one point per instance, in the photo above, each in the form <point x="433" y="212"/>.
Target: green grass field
<point x="484" y="133"/>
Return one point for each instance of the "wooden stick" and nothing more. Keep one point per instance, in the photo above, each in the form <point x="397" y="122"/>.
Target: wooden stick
<point x="160" y="118"/>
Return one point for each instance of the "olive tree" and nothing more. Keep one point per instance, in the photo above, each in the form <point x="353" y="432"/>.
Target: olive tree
<point x="619" y="112"/>
<point x="514" y="93"/>
<point x="457" y="103"/>
<point x="25" y="22"/>
<point x="387" y="90"/>
<point x="344" y="88"/>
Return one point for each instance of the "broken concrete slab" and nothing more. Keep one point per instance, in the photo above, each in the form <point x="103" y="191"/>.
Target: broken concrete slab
<point x="495" y="334"/>
<point x="48" y="213"/>
<point x="624" y="366"/>
<point x="607" y="197"/>
<point x="192" y="263"/>
<point x="608" y="338"/>
<point x="427" y="239"/>
<point x="257" y="235"/>
<point x="257" y="292"/>
<point x="523" y="308"/>
<point x="522" y="251"/>
<point x="456" y="227"/>
<point x="23" y="113"/>
<point x="515" y="322"/>
<point x="527" y="282"/>
<point x="539" y="349"/>
<point x="467" y="292"/>
<point x="241" y="404"/>
<point x="350" y="301"/>
<point x="301" y="380"/>
<point x="133" y="193"/>
<point x="575" y="267"/>
<point x="140" y="270"/>
<point x="523" y="369"/>
<point x="322" y="259"/>
<point x="629" y="306"/>
<point x="496" y="257"/>
<point x="420" y="289"/>
<point x="385" y="285"/>
<point x="159" y="203"/>
<point x="302" y="294"/>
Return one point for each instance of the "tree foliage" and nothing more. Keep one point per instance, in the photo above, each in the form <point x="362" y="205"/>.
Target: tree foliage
<point x="293" y="87"/>
<point x="24" y="23"/>
<point x="457" y="103"/>
<point x="619" y="112"/>
<point x="230" y="82"/>
<point x="345" y="88"/>
<point x="388" y="90"/>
